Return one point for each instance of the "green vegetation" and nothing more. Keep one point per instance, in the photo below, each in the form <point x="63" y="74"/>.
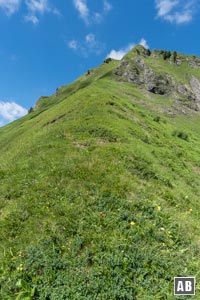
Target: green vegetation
<point x="165" y="54"/>
<point x="30" y="110"/>
<point x="99" y="192"/>
<point x="174" y="55"/>
<point x="107" y="60"/>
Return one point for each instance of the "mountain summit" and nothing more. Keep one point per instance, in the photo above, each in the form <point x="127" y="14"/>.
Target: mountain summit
<point x="99" y="184"/>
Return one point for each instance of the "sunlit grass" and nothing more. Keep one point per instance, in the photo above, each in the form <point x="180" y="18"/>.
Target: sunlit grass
<point x="99" y="198"/>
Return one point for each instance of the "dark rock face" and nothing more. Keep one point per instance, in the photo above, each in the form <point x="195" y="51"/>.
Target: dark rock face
<point x="157" y="90"/>
<point x="137" y="72"/>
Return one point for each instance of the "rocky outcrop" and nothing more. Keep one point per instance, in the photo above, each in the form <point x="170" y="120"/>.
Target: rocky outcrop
<point x="136" y="71"/>
<point x="195" y="85"/>
<point x="194" y="64"/>
<point x="185" y="91"/>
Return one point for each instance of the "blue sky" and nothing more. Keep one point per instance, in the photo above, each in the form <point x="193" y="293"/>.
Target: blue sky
<point x="49" y="43"/>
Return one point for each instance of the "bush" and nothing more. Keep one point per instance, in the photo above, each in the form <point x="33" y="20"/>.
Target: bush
<point x="182" y="135"/>
<point x="148" y="52"/>
<point x="30" y="110"/>
<point x="107" y="60"/>
<point x="157" y="119"/>
<point x="166" y="55"/>
<point x="174" y="56"/>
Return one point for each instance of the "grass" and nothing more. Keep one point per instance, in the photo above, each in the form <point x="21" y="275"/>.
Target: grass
<point x="99" y="195"/>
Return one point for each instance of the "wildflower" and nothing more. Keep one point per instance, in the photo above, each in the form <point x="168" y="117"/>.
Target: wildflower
<point x="132" y="223"/>
<point x="20" y="253"/>
<point x="190" y="210"/>
<point x="158" y="208"/>
<point x="20" y="267"/>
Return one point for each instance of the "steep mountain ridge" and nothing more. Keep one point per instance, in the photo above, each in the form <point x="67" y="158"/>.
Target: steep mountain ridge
<point x="99" y="184"/>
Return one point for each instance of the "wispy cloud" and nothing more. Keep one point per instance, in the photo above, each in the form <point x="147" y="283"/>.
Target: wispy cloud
<point x="10" y="6"/>
<point x="107" y="6"/>
<point x="144" y="43"/>
<point x="34" y="8"/>
<point x="176" y="11"/>
<point x="73" y="44"/>
<point x="97" y="17"/>
<point x="10" y="111"/>
<point x="89" y="16"/>
<point x="119" y="54"/>
<point x="90" y="45"/>
<point x="38" y="7"/>
<point x="31" y="18"/>
<point x="93" y="44"/>
<point x="164" y="7"/>
<point x="83" y="10"/>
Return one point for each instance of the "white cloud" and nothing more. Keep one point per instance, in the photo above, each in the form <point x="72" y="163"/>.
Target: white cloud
<point x="10" y="6"/>
<point x="176" y="11"/>
<point x="90" y="39"/>
<point x="10" y="111"/>
<point x="144" y="43"/>
<point x="93" y="45"/>
<point x="81" y="6"/>
<point x="37" y="5"/>
<point x="40" y="7"/>
<point x="107" y="6"/>
<point x="87" y="15"/>
<point x="119" y="54"/>
<point x="90" y="45"/>
<point x="34" y="7"/>
<point x="73" y="44"/>
<point x="164" y="7"/>
<point x="180" y="18"/>
<point x="97" y="17"/>
<point x="31" y="18"/>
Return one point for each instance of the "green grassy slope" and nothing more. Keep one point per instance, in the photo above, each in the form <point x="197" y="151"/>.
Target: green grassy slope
<point x="99" y="193"/>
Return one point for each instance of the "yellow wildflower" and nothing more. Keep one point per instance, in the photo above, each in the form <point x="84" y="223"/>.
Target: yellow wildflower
<point x="132" y="223"/>
<point x="20" y="267"/>
<point x="158" y="208"/>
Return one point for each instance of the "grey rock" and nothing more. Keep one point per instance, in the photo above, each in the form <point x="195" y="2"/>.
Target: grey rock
<point x="178" y="61"/>
<point x="194" y="64"/>
<point x="136" y="71"/>
<point x="195" y="85"/>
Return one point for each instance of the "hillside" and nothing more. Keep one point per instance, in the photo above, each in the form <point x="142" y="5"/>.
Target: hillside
<point x="99" y="184"/>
